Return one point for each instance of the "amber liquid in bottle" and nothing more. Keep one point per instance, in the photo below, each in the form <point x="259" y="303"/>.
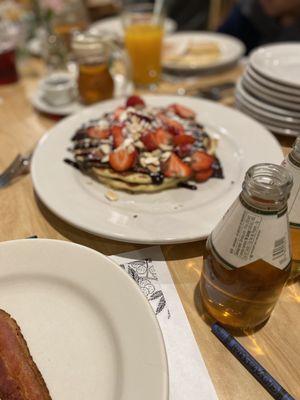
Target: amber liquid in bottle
<point x="295" y="240"/>
<point x="94" y="82"/>
<point x="243" y="297"/>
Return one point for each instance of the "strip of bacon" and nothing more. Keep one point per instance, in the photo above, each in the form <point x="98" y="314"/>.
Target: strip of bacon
<point x="20" y="378"/>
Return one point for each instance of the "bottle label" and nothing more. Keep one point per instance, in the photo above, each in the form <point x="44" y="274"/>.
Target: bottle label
<point x="294" y="199"/>
<point x="246" y="235"/>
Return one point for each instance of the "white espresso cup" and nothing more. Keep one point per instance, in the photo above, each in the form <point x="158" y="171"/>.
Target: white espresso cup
<point x="58" y="89"/>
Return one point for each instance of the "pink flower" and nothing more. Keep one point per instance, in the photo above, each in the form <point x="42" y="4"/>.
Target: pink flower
<point x="53" y="5"/>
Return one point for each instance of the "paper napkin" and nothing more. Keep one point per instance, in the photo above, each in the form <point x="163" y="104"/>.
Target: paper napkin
<point x="188" y="375"/>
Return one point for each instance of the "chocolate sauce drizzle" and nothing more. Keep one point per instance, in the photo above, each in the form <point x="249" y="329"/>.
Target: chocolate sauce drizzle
<point x="157" y="177"/>
<point x="218" y="171"/>
<point x="187" y="185"/>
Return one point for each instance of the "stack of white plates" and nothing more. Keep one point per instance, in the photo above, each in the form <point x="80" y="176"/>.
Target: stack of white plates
<point x="269" y="91"/>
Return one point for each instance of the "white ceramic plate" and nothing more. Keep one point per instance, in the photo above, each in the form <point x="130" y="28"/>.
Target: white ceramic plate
<point x="38" y="102"/>
<point x="278" y="62"/>
<point x="273" y="126"/>
<point x="231" y="48"/>
<point x="263" y="105"/>
<point x="177" y="215"/>
<point x="266" y="114"/>
<point x="256" y="91"/>
<point x="282" y="131"/>
<point x="84" y="320"/>
<point x="271" y="93"/>
<point x="114" y="25"/>
<point x="270" y="84"/>
<point x="266" y="119"/>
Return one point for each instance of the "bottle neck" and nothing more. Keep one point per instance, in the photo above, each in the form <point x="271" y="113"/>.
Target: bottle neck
<point x="255" y="204"/>
<point x="294" y="155"/>
<point x="266" y="188"/>
<point x="294" y="158"/>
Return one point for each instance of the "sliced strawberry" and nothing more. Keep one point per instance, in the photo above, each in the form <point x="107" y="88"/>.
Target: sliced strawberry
<point x="152" y="140"/>
<point x="176" y="168"/>
<point x="182" y="111"/>
<point x="171" y="125"/>
<point x="118" y="113"/>
<point x="122" y="160"/>
<point x="204" y="175"/>
<point x="135" y="101"/>
<point x="181" y="140"/>
<point x="96" y="132"/>
<point x="117" y="133"/>
<point x="163" y="137"/>
<point x="201" y="161"/>
<point x="149" y="141"/>
<point x="184" y="150"/>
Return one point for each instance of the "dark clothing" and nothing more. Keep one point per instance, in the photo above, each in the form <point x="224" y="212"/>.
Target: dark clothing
<point x="248" y="22"/>
<point x="189" y="14"/>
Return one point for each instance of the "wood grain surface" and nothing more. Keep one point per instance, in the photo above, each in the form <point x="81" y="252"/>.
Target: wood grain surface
<point x="276" y="345"/>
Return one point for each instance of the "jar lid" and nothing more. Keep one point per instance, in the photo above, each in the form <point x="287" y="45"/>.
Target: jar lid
<point x="86" y="44"/>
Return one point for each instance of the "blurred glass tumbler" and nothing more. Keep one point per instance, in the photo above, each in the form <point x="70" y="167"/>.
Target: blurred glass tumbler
<point x="143" y="40"/>
<point x="8" y="70"/>
<point x="70" y="19"/>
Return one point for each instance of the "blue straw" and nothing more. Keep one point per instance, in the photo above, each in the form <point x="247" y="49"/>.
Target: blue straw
<point x="253" y="366"/>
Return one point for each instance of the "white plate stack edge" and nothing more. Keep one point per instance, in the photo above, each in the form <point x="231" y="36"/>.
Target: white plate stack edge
<point x="269" y="90"/>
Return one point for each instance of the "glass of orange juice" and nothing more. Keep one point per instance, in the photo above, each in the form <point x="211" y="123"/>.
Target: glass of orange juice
<point x="144" y="30"/>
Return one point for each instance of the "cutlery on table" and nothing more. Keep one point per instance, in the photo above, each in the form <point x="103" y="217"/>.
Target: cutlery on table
<point x="19" y="166"/>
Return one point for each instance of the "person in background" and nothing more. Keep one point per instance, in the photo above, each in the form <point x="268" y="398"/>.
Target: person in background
<point x="258" y="22"/>
<point x="189" y="14"/>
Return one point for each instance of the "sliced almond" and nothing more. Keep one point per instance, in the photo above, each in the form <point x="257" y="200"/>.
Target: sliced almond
<point x="213" y="146"/>
<point x="105" y="159"/>
<point x="153" y="168"/>
<point x="166" y="147"/>
<point x="112" y="196"/>
<point x="165" y="155"/>
<point x="139" y="144"/>
<point x="105" y="148"/>
<point x="156" y="153"/>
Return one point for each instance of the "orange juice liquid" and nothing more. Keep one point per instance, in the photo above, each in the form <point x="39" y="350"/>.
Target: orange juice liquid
<point x="144" y="45"/>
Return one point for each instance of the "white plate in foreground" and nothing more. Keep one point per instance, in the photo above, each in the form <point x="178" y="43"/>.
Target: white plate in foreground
<point x="231" y="49"/>
<point x="177" y="215"/>
<point x="278" y="62"/>
<point x="90" y="330"/>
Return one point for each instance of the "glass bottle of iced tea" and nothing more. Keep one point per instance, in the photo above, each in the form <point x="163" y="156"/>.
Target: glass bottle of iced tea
<point x="249" y="259"/>
<point x="292" y="163"/>
<point x="95" y="82"/>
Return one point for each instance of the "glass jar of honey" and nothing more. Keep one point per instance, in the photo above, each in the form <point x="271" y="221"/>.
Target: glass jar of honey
<point x="93" y="56"/>
<point x="249" y="258"/>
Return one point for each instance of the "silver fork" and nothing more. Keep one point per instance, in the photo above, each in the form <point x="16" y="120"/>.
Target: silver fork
<point x="19" y="166"/>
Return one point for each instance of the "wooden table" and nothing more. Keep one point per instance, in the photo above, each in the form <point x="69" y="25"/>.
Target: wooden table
<point x="276" y="345"/>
